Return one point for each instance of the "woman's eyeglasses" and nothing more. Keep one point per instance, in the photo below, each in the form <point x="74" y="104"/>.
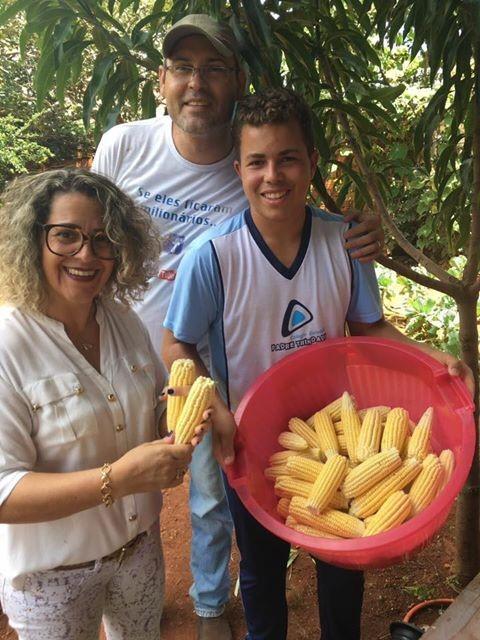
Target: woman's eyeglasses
<point x="68" y="240"/>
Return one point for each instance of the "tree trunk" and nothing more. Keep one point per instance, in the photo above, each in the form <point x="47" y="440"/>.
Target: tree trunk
<point x="467" y="523"/>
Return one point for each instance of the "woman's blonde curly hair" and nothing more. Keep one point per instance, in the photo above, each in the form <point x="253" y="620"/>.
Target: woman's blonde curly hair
<point x="26" y="203"/>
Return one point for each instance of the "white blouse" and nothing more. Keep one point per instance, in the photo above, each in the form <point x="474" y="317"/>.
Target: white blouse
<point x="59" y="414"/>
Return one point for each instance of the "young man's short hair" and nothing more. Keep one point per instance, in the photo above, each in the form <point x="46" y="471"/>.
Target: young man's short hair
<point x="273" y="106"/>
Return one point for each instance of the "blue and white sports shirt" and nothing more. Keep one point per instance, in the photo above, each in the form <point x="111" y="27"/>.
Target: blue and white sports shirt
<point x="231" y="289"/>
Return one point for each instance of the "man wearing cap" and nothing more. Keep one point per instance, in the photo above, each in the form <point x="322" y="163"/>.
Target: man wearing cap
<point x="180" y="169"/>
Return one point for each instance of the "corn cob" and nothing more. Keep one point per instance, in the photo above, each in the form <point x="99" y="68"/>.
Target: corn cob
<point x="406" y="444"/>
<point x="339" y="430"/>
<point x="370" y="502"/>
<point x="287" y="487"/>
<point x="447" y="460"/>
<point x="292" y="441"/>
<point x="199" y="398"/>
<point x="419" y="444"/>
<point x="282" y="507"/>
<point x="310" y="531"/>
<point x="383" y="410"/>
<point x="369" y="473"/>
<point x="328" y="481"/>
<point x="396" y="429"/>
<point x="370" y="435"/>
<point x="290" y="522"/>
<point x="338" y="501"/>
<point x="326" y="433"/>
<point x="302" y="429"/>
<point x="334" y="409"/>
<point x="303" y="468"/>
<point x="426" y="484"/>
<point x="182" y="374"/>
<point x="281" y="457"/>
<point x="315" y="453"/>
<point x="351" y="425"/>
<point x="277" y="471"/>
<point x="332" y="521"/>
<point x="392" y="513"/>
<point x="342" y="444"/>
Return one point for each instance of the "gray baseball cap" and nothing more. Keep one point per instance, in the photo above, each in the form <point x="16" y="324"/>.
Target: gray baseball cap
<point x="219" y="34"/>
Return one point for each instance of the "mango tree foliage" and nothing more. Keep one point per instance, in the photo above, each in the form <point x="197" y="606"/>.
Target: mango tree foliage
<point x="415" y="162"/>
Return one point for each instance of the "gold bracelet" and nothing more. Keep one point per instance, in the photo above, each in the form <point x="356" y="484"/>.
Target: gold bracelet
<point x="106" y="488"/>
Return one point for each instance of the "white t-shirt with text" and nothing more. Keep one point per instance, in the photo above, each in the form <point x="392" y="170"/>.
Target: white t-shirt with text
<point x="184" y="198"/>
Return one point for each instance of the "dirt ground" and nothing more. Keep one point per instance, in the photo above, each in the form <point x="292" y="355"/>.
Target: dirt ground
<point x="389" y="592"/>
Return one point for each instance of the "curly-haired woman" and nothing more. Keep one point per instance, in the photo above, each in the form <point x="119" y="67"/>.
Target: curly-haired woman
<point x="80" y="467"/>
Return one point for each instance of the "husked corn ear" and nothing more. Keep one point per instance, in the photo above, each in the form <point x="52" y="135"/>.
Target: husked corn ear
<point x="301" y="428"/>
<point x="310" y="531"/>
<point x="370" y="502"/>
<point x="342" y="444"/>
<point x="290" y="522"/>
<point x="277" y="471"/>
<point x="288" y="486"/>
<point x="369" y="473"/>
<point x="383" y="409"/>
<point x="332" y="521"/>
<point x="426" y="484"/>
<point x="182" y="374"/>
<point x="406" y="444"/>
<point x="283" y="506"/>
<point x="351" y="425"/>
<point x="199" y="398"/>
<point x="370" y="434"/>
<point x="303" y="468"/>
<point x="292" y="441"/>
<point x="396" y="429"/>
<point x="334" y="409"/>
<point x="315" y="453"/>
<point x="392" y="513"/>
<point x="328" y="481"/>
<point x="281" y="457"/>
<point x="338" y="501"/>
<point x="419" y="444"/>
<point x="309" y="421"/>
<point x="339" y="427"/>
<point x="447" y="460"/>
<point x="326" y="433"/>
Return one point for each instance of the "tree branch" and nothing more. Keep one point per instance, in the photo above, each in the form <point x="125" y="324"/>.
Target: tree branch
<point x="453" y="290"/>
<point x="374" y="191"/>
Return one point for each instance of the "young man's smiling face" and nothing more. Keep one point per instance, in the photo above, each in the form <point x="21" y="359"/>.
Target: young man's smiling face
<point x="276" y="169"/>
<point x="198" y="104"/>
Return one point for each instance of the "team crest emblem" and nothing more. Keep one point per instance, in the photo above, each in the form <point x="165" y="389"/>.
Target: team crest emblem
<point x="296" y="316"/>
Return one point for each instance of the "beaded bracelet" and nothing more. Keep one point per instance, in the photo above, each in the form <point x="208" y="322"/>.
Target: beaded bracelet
<point x="106" y="488"/>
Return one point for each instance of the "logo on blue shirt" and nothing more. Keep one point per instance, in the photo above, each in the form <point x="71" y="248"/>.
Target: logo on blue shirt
<point x="296" y="316"/>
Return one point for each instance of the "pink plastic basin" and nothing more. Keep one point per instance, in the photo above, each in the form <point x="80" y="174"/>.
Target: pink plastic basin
<point x="375" y="372"/>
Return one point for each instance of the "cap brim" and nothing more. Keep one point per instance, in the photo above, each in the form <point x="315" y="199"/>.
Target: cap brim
<point x="176" y="34"/>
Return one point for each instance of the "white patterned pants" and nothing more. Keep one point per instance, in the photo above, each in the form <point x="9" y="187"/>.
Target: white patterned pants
<point x="69" y="604"/>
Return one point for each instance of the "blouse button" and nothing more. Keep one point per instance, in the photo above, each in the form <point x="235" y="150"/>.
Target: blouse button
<point x="35" y="407"/>
<point x="133" y="368"/>
<point x="111" y="397"/>
<point x="133" y="517"/>
<point x="119" y="427"/>
<point x="78" y="390"/>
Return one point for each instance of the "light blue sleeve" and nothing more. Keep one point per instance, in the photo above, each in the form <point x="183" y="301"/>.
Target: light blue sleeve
<point x="365" y="303"/>
<point x="197" y="294"/>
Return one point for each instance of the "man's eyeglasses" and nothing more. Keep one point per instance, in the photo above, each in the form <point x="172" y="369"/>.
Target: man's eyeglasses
<point x="68" y="240"/>
<point x="214" y="72"/>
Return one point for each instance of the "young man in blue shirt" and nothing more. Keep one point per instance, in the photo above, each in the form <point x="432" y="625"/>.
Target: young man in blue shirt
<point x="276" y="274"/>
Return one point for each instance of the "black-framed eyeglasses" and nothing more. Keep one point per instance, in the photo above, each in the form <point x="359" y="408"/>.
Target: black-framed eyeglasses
<point x="68" y="240"/>
<point x="214" y="72"/>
